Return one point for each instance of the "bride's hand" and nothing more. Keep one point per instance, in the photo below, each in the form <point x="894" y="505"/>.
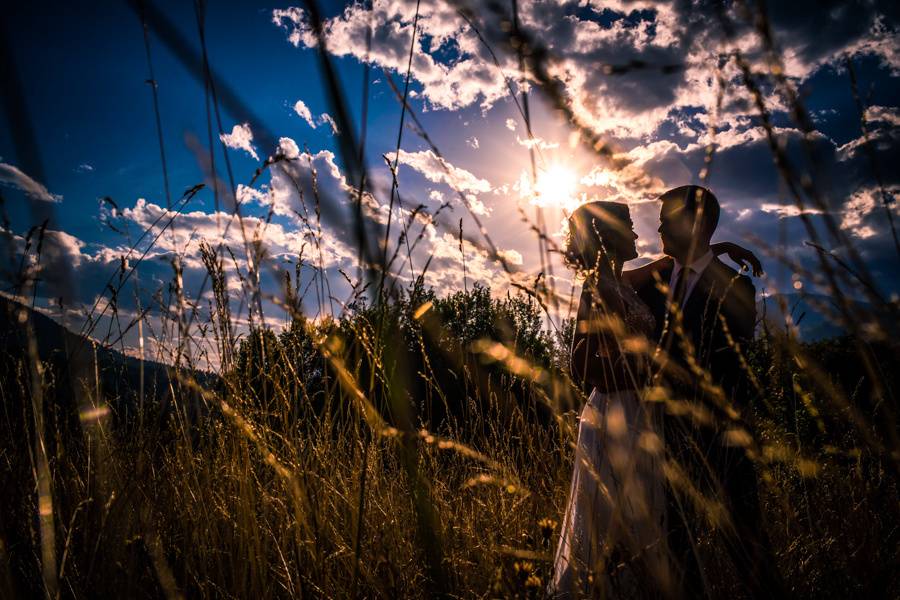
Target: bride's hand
<point x="740" y="255"/>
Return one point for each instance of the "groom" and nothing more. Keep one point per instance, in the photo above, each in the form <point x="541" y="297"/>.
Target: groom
<point x="704" y="309"/>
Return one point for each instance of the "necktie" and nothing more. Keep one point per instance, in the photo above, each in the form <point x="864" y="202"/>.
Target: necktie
<point x="681" y="285"/>
<point x="676" y="299"/>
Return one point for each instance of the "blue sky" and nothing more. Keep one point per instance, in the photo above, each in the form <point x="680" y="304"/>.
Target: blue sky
<point x="83" y="73"/>
<point x="91" y="104"/>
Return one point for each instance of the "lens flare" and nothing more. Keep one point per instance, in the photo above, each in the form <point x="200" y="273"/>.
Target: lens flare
<point x="556" y="187"/>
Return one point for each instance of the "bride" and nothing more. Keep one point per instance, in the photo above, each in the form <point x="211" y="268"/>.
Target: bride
<point x="612" y="542"/>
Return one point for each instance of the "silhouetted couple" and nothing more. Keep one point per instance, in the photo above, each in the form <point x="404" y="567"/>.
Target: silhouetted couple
<point x="662" y="479"/>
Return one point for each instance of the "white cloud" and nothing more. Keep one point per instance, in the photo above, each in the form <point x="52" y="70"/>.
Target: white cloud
<point x="446" y="273"/>
<point x="305" y="113"/>
<point x="859" y="205"/>
<point x="513" y="257"/>
<point x="288" y="147"/>
<point x="13" y="177"/>
<point x="246" y="194"/>
<point x="537" y="142"/>
<point x="301" y="109"/>
<point x="450" y="85"/>
<point x="880" y="40"/>
<point x="879" y="138"/>
<point x="477" y="206"/>
<point x="472" y="142"/>
<point x="511" y="124"/>
<point x="787" y="210"/>
<point x="189" y="229"/>
<point x="240" y="138"/>
<point x="62" y="255"/>
<point x="885" y="114"/>
<point x="438" y="170"/>
<point x="326" y="118"/>
<point x="858" y="210"/>
<point x="305" y="179"/>
<point x="610" y="68"/>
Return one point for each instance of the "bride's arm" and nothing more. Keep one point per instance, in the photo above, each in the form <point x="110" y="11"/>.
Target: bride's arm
<point x="644" y="274"/>
<point x="740" y="255"/>
<point x="585" y="342"/>
<point x="597" y="360"/>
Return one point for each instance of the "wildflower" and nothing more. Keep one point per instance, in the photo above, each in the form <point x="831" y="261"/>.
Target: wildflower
<point x="547" y="526"/>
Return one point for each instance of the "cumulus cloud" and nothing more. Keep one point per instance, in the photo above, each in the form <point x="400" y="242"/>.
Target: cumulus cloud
<point x="615" y="63"/>
<point x="240" y="138"/>
<point x="64" y="269"/>
<point x="884" y="114"/>
<point x="537" y="142"/>
<point x="660" y="121"/>
<point x="786" y="210"/>
<point x="326" y="118"/>
<point x="607" y="61"/>
<point x="303" y="111"/>
<point x="820" y="36"/>
<point x="861" y="212"/>
<point x="513" y="257"/>
<point x="189" y="229"/>
<point x="581" y="42"/>
<point x="12" y="176"/>
<point x="304" y="178"/>
<point x="451" y="267"/>
<point x="450" y="85"/>
<point x="439" y="170"/>
<point x="64" y="257"/>
<point x="289" y="193"/>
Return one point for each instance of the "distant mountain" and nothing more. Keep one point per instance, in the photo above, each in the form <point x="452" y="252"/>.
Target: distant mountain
<point x="813" y="314"/>
<point x="76" y="361"/>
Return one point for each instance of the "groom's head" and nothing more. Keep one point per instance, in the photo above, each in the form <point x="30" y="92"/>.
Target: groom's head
<point x="687" y="213"/>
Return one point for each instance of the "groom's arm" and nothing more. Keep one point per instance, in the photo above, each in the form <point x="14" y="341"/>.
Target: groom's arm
<point x="740" y="310"/>
<point x="739" y="313"/>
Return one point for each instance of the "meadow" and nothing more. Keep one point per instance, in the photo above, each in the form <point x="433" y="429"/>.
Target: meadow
<point x="413" y="444"/>
<point x="310" y="471"/>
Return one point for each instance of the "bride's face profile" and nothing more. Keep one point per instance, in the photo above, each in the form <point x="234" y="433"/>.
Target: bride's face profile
<point x="597" y="228"/>
<point x="629" y="244"/>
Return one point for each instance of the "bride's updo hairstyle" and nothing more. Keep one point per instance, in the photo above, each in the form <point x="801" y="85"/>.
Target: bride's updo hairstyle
<point x="598" y="227"/>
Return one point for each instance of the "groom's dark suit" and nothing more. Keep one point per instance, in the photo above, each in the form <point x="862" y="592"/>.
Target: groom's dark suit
<point x="720" y="290"/>
<point x="718" y="470"/>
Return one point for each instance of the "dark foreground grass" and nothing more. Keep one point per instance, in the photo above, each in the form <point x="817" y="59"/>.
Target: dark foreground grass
<point x="417" y="445"/>
<point x="282" y="484"/>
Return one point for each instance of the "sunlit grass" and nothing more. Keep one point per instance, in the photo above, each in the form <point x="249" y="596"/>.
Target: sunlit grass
<point x="417" y="445"/>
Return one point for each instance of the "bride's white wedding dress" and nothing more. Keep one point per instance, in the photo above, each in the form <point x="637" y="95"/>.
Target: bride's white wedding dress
<point x="612" y="539"/>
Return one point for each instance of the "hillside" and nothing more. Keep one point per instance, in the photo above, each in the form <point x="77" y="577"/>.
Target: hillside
<point x="76" y="360"/>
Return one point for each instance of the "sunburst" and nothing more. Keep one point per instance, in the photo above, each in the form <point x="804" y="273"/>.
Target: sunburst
<point x="556" y="187"/>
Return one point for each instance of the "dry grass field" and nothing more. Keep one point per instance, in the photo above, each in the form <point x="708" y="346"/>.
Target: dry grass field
<point x="413" y="445"/>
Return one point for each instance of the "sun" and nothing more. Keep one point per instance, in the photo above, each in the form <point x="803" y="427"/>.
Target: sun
<point x="556" y="187"/>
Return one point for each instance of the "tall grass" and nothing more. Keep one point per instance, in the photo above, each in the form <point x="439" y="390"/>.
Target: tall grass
<point x="412" y="444"/>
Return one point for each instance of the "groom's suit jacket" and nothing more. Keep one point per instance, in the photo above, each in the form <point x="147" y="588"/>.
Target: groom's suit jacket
<point x="712" y="462"/>
<point x="720" y="291"/>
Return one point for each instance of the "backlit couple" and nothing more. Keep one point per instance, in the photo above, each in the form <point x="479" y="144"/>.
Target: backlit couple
<point x="656" y="462"/>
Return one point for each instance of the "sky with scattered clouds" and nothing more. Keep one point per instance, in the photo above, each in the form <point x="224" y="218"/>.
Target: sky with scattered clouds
<point x="641" y="91"/>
